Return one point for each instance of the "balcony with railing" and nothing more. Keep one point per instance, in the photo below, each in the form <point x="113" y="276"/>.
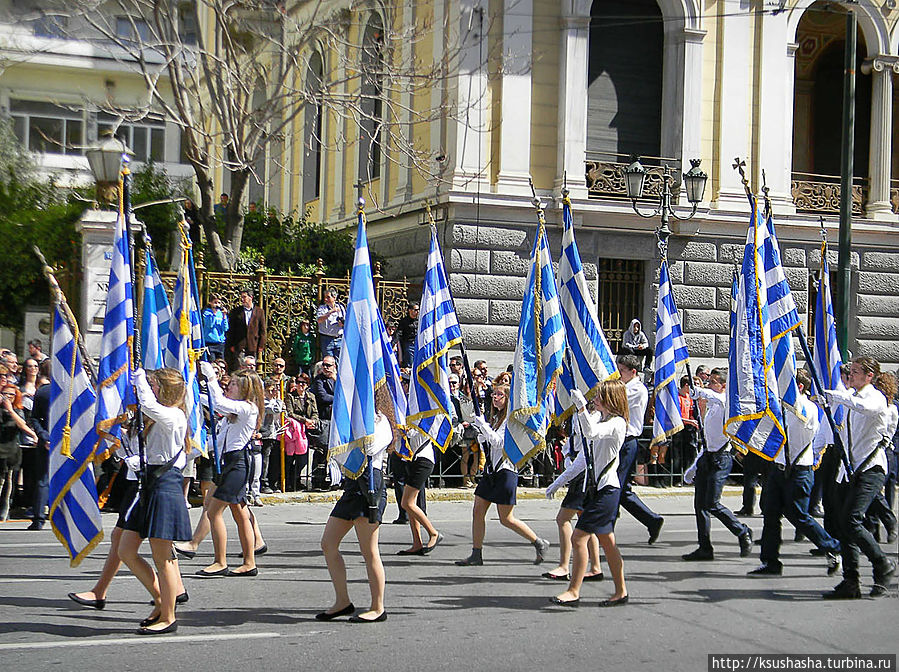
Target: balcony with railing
<point x="821" y="193"/>
<point x="605" y="175"/>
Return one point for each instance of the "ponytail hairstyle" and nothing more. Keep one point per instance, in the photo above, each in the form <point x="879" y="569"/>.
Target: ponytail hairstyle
<point x="499" y="415"/>
<point x="249" y="388"/>
<point x="886" y="383"/>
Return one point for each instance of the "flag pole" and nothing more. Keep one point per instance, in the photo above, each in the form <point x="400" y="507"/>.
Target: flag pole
<point x="372" y="495"/>
<point x="475" y="402"/>
<point x="137" y="354"/>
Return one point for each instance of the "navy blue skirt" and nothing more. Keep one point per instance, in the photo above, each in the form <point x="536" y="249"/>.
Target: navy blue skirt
<point x="574" y="498"/>
<point x="600" y="509"/>
<point x="161" y="512"/>
<point x="353" y="503"/>
<point x="129" y="498"/>
<point x="232" y="487"/>
<point x="500" y="487"/>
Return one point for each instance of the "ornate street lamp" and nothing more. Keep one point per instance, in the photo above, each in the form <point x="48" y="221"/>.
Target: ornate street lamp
<point x="694" y="183"/>
<point x="105" y="160"/>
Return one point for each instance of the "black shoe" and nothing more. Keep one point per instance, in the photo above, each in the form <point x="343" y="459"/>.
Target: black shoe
<point x="401" y="521"/>
<point x="325" y="616"/>
<point x="767" y="569"/>
<point x="187" y="554"/>
<point x="884" y="574"/>
<point x="599" y="576"/>
<point x="149" y="621"/>
<point x="817" y="552"/>
<point x="249" y="572"/>
<point x="565" y="603"/>
<point x="699" y="554"/>
<point x="96" y="604"/>
<point x="262" y="550"/>
<point x="181" y="599"/>
<point x="654" y="529"/>
<point x="470" y="561"/>
<point x="219" y="572"/>
<point x="620" y="602"/>
<point x="168" y="630"/>
<point x="35" y="526"/>
<point x="745" y="540"/>
<point x="379" y="619"/>
<point x="845" y="590"/>
<point x="557" y="577"/>
<point x="833" y="563"/>
<point x="743" y="513"/>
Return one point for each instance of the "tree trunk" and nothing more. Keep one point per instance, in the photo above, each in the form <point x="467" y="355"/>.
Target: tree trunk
<point x="233" y="216"/>
<point x="218" y="254"/>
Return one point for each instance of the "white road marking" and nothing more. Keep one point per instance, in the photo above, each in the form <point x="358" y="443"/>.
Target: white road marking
<point x="158" y="639"/>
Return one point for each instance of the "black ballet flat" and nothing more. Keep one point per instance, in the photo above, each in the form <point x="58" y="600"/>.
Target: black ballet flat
<point x="220" y="572"/>
<point x="359" y="619"/>
<point x="149" y="621"/>
<point x="96" y="604"/>
<point x="181" y="599"/>
<point x="428" y="549"/>
<point x="249" y="572"/>
<point x="417" y="551"/>
<point x="565" y="603"/>
<point x="620" y="602"/>
<point x="557" y="577"/>
<point x="187" y="554"/>
<point x="262" y="550"/>
<point x="346" y="611"/>
<point x="599" y="576"/>
<point x="167" y="630"/>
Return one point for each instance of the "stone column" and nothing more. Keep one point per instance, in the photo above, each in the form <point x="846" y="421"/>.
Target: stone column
<point x="471" y="150"/>
<point x="97" y="228"/>
<point x="515" y="132"/>
<point x="573" y="67"/>
<point x="881" y="69"/>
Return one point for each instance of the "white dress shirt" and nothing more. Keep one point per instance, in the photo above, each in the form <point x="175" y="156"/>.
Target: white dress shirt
<point x="864" y="427"/>
<point x="167" y="437"/>
<point x="713" y="423"/>
<point x="234" y="435"/>
<point x="637" y="399"/>
<point x="801" y="433"/>
<point x="606" y="439"/>
<point x="495" y="439"/>
<point x="382" y="440"/>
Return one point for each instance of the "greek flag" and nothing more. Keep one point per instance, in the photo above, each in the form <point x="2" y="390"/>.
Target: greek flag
<point x="155" y="315"/>
<point x="755" y="419"/>
<point x="671" y="352"/>
<point x="394" y="384"/>
<point x="74" y="513"/>
<point x="438" y="331"/>
<point x="538" y="357"/>
<point x="115" y="392"/>
<point x="591" y="356"/>
<point x="185" y="344"/>
<point x="784" y="319"/>
<point x="360" y="370"/>
<point x="825" y="351"/>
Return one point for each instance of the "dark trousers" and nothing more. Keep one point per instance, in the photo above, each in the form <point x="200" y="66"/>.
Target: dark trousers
<point x="293" y="467"/>
<point x="627" y="460"/>
<point x="270" y="446"/>
<point x="215" y="350"/>
<point x="830" y="490"/>
<point x="881" y="509"/>
<point x="711" y="473"/>
<point x="42" y="485"/>
<point x="784" y="497"/>
<point x="398" y="471"/>
<point x="854" y="537"/>
<point x="754" y="470"/>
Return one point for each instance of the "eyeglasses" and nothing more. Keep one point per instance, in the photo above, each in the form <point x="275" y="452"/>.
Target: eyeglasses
<point x="326" y="365"/>
<point x="280" y="366"/>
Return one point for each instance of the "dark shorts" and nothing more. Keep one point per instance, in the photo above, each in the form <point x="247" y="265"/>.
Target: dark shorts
<point x="417" y="472"/>
<point x="162" y="512"/>
<point x="499" y="487"/>
<point x="205" y="469"/>
<point x="232" y="486"/>
<point x="574" y="498"/>
<point x="353" y="503"/>
<point x="600" y="509"/>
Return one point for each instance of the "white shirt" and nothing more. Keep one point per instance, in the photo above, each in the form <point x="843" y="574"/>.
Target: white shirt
<point x="495" y="440"/>
<point x="247" y="314"/>
<point x="606" y="439"/>
<point x="168" y="435"/>
<point x="801" y="433"/>
<point x="713" y="423"/>
<point x="234" y="435"/>
<point x="383" y="437"/>
<point x="424" y="449"/>
<point x="637" y="399"/>
<point x="864" y="427"/>
<point x="330" y="325"/>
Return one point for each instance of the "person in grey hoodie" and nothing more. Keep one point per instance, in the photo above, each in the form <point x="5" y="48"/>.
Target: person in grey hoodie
<point x="635" y="342"/>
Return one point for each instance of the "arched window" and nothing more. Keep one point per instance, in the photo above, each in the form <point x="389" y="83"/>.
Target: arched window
<point x="372" y="67"/>
<point x="312" y="130"/>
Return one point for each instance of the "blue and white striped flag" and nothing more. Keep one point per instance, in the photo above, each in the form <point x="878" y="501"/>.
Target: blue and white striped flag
<point x="155" y="315"/>
<point x="185" y="344"/>
<point x="438" y="331"/>
<point x="671" y="352"/>
<point x="754" y="418"/>
<point x="784" y="319"/>
<point x="825" y="350"/>
<point x="591" y="356"/>
<point x="74" y="512"/>
<point x="538" y="357"/>
<point x="394" y="384"/>
<point x="360" y="370"/>
<point x="115" y="392"/>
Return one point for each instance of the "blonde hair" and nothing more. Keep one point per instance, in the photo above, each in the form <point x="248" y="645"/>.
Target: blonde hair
<point x="249" y="388"/>
<point x="612" y="394"/>
<point x="172" y="393"/>
<point x="499" y="416"/>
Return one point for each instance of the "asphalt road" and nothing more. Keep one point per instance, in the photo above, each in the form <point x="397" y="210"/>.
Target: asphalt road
<point x="441" y="617"/>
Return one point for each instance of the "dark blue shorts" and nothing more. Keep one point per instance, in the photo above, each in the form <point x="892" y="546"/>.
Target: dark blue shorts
<point x="600" y="509"/>
<point x="232" y="486"/>
<point x="353" y="503"/>
<point x="500" y="487"/>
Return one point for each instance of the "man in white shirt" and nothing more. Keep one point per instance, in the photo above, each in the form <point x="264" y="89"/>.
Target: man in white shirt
<point x="637" y="400"/>
<point x="712" y="469"/>
<point x="863" y="437"/>
<point x="788" y="487"/>
<point x="330" y="317"/>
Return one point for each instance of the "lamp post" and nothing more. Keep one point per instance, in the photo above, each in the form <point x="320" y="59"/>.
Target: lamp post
<point x="694" y="182"/>
<point x="105" y="160"/>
